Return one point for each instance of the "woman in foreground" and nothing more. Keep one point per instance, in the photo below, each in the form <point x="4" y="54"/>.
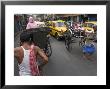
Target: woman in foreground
<point x="26" y="56"/>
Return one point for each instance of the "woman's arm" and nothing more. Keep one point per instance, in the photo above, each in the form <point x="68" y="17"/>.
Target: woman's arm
<point x="16" y="52"/>
<point x="42" y="55"/>
<point x="28" y="26"/>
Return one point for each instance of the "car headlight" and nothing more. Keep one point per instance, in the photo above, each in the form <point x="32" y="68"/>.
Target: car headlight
<point x="59" y="30"/>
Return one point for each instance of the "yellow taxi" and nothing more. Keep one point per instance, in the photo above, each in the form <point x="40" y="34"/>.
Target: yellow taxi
<point x="90" y="26"/>
<point x="57" y="28"/>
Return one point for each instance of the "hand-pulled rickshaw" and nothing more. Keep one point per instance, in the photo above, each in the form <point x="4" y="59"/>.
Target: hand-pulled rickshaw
<point x="41" y="39"/>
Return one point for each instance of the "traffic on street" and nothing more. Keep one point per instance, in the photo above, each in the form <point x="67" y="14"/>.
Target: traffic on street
<point x="55" y="45"/>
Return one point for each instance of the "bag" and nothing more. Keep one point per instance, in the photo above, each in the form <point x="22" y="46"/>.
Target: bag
<point x="89" y="48"/>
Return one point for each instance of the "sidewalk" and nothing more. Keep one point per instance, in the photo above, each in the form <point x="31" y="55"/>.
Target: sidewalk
<point x="17" y="33"/>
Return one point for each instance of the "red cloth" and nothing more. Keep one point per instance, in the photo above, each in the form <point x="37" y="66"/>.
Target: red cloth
<point x="33" y="64"/>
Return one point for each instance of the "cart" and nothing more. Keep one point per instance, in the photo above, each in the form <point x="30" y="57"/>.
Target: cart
<point x="41" y="39"/>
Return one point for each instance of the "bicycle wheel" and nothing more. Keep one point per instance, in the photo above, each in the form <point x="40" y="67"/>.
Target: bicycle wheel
<point x="68" y="44"/>
<point x="82" y="41"/>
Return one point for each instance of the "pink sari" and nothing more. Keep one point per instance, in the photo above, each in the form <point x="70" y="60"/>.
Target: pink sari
<point x="32" y="23"/>
<point x="33" y="65"/>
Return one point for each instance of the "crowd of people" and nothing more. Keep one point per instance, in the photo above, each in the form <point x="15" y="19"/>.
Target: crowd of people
<point x="87" y="37"/>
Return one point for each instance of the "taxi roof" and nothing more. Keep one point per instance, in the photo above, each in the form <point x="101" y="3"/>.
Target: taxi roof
<point x="58" y="21"/>
<point x="93" y="22"/>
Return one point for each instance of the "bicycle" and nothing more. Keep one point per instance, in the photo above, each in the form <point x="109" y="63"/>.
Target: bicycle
<point x="69" y="39"/>
<point x="85" y="37"/>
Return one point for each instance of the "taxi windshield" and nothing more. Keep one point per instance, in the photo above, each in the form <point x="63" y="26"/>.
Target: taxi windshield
<point x="59" y="24"/>
<point x="90" y="25"/>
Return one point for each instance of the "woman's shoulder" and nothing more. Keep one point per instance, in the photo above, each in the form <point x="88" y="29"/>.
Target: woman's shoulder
<point x="18" y="49"/>
<point x="36" y="47"/>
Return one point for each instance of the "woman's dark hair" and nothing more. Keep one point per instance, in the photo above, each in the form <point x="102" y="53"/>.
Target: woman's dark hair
<point x="26" y="37"/>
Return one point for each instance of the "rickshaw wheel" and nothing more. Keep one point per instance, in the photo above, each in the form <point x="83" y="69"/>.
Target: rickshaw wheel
<point x="68" y="44"/>
<point x="57" y="37"/>
<point x="49" y="50"/>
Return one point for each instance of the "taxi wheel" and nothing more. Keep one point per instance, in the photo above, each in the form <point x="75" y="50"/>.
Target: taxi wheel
<point x="57" y="37"/>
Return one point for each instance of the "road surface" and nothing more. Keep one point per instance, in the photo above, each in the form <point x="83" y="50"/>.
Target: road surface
<point x="65" y="63"/>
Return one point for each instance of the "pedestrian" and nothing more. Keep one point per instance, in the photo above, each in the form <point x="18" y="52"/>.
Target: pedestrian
<point x="26" y="56"/>
<point x="32" y="23"/>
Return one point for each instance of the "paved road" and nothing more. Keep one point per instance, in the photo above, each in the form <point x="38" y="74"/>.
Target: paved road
<point x="64" y="63"/>
<point x="16" y="43"/>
